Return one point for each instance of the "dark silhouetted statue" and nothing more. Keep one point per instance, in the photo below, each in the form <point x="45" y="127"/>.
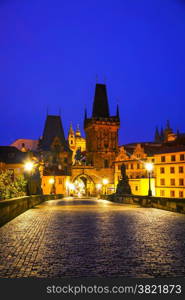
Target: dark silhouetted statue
<point x="123" y="187"/>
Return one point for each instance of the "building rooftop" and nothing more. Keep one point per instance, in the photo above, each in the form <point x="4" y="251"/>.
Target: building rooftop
<point x="11" y="155"/>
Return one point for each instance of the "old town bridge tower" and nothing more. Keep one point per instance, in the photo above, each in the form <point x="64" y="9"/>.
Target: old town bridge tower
<point x="101" y="131"/>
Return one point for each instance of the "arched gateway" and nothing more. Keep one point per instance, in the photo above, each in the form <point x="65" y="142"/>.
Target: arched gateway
<point x="84" y="185"/>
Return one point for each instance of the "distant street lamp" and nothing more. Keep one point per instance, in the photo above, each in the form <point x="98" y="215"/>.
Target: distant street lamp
<point x="149" y="167"/>
<point x="105" y="182"/>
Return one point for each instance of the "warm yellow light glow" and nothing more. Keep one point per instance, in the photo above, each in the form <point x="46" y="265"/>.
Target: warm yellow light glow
<point x="105" y="181"/>
<point x="51" y="180"/>
<point x="67" y="184"/>
<point x="98" y="186"/>
<point x="149" y="167"/>
<point x="71" y="186"/>
<point x="28" y="166"/>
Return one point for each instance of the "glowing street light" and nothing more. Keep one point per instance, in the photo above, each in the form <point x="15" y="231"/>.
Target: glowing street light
<point x="51" y="180"/>
<point x="98" y="186"/>
<point x="149" y="167"/>
<point x="28" y="166"/>
<point x="105" y="182"/>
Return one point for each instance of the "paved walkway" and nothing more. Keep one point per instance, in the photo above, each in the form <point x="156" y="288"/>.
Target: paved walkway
<point x="90" y="237"/>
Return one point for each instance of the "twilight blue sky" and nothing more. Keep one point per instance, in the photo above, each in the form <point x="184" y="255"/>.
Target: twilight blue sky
<point x="51" y="52"/>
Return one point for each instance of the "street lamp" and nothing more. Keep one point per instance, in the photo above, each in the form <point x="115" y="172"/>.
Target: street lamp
<point x="105" y="182"/>
<point x="28" y="167"/>
<point x="52" y="182"/>
<point x="149" y="167"/>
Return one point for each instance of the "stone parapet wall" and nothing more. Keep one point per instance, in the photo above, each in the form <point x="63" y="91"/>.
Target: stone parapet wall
<point x="171" y="204"/>
<point x="11" y="208"/>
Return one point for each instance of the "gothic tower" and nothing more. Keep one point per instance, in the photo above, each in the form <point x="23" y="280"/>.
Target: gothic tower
<point x="101" y="131"/>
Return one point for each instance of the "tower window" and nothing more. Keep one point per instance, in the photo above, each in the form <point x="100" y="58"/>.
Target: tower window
<point x="106" y="163"/>
<point x="71" y="142"/>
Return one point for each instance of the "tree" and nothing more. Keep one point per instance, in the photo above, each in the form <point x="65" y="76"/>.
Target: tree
<point x="11" y="187"/>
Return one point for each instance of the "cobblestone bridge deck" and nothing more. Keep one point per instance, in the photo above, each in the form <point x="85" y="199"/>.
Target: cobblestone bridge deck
<point x="90" y="237"/>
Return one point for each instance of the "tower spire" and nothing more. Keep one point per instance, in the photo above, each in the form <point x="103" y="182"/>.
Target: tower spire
<point x="100" y="105"/>
<point x="157" y="135"/>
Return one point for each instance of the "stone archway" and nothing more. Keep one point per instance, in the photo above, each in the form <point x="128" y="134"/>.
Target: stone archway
<point x="84" y="185"/>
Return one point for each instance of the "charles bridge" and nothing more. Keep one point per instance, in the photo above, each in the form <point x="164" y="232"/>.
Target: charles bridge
<point x="86" y="237"/>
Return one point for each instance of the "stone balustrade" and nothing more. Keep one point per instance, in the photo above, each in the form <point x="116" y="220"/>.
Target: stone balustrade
<point x="171" y="204"/>
<point x="11" y="208"/>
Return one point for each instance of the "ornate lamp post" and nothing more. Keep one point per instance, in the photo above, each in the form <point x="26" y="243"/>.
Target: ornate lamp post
<point x="28" y="167"/>
<point x="149" y="167"/>
<point x="105" y="182"/>
<point x="52" y="182"/>
<point x="98" y="187"/>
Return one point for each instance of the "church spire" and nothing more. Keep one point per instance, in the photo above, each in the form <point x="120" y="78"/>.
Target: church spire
<point x="157" y="135"/>
<point x="85" y="114"/>
<point x="100" y="105"/>
<point x="117" y="111"/>
<point x="78" y="133"/>
<point x="71" y="131"/>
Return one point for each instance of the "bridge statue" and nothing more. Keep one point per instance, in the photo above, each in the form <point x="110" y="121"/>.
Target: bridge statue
<point x="123" y="186"/>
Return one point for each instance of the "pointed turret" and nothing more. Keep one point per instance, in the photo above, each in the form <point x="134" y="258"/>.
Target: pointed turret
<point x="117" y="111"/>
<point x="85" y="114"/>
<point x="78" y="133"/>
<point x="168" y="124"/>
<point x="162" y="134"/>
<point x="71" y="131"/>
<point x="53" y="129"/>
<point x="100" y="105"/>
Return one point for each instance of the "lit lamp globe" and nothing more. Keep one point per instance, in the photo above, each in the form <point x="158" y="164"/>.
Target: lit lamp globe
<point x="51" y="180"/>
<point x="98" y="186"/>
<point x="105" y="181"/>
<point x="149" y="167"/>
<point x="28" y="166"/>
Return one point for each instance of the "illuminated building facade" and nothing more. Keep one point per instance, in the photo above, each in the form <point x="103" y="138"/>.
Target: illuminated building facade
<point x="134" y="157"/>
<point x="170" y="172"/>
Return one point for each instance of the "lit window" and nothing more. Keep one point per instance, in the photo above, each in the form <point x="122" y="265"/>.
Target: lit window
<point x="181" y="194"/>
<point x="162" y="181"/>
<point x="172" y="181"/>
<point x="172" y="193"/>
<point x="181" y="169"/>
<point x="163" y="158"/>
<point x="181" y="181"/>
<point x="162" y="193"/>
<point x="60" y="180"/>
<point x="182" y="157"/>
<point x="173" y="158"/>
<point x="172" y="170"/>
<point x="162" y="170"/>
